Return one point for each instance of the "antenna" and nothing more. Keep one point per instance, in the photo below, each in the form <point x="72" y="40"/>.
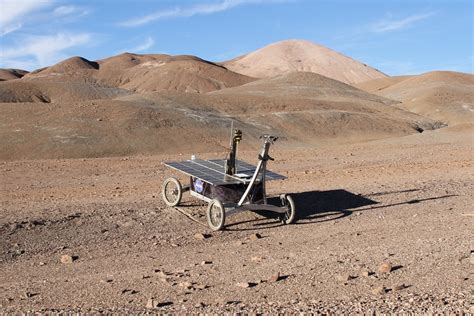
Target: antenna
<point x="231" y="131"/>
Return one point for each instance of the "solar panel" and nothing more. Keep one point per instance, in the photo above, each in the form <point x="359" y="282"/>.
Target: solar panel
<point x="246" y="168"/>
<point x="212" y="171"/>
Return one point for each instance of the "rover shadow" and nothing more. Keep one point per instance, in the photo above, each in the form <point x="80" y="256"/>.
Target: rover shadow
<point x="312" y="206"/>
<point x="323" y="206"/>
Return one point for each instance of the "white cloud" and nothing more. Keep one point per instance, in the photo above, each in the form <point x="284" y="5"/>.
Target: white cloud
<point x="149" y="42"/>
<point x="179" y="12"/>
<point x="42" y="50"/>
<point x="68" y="10"/>
<point x="389" y="25"/>
<point x="14" y="11"/>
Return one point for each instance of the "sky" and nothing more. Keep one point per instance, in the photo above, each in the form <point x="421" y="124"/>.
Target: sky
<point x="396" y="37"/>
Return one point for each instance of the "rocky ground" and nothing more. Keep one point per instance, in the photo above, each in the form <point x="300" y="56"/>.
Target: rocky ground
<point x="385" y="226"/>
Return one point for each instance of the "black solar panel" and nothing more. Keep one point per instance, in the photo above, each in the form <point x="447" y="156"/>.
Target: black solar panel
<point x="212" y="171"/>
<point x="246" y="168"/>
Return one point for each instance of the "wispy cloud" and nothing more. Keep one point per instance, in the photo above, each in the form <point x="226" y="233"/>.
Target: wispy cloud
<point x="68" y="10"/>
<point x="147" y="44"/>
<point x="199" y="9"/>
<point x="40" y="51"/>
<point x="13" y="13"/>
<point x="388" y="25"/>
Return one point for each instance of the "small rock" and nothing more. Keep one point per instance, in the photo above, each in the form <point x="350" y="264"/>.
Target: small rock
<point x="68" y="258"/>
<point x="29" y="294"/>
<point x="364" y="273"/>
<point x="152" y="303"/>
<point x="471" y="259"/>
<point x="255" y="236"/>
<point x="256" y="258"/>
<point x="206" y="262"/>
<point x="274" y="278"/>
<point x="42" y="264"/>
<point x="200" y="236"/>
<point x="379" y="290"/>
<point x="343" y="277"/>
<point x="106" y="280"/>
<point x="243" y="285"/>
<point x="200" y="305"/>
<point x="385" y="267"/>
<point x="186" y="284"/>
<point x="398" y="287"/>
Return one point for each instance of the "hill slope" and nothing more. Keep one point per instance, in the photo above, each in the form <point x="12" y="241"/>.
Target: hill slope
<point x="9" y="74"/>
<point x="298" y="55"/>
<point x="302" y="108"/>
<point x="441" y="95"/>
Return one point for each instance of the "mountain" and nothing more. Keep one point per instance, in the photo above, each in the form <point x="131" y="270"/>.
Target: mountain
<point x="441" y="95"/>
<point x="299" y="55"/>
<point x="9" y="74"/>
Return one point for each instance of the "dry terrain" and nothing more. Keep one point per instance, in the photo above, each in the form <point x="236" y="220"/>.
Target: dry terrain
<point x="381" y="170"/>
<point x="404" y="201"/>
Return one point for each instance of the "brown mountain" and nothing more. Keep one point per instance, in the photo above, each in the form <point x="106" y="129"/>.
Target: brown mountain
<point x="299" y="55"/>
<point x="9" y="74"/>
<point x="442" y="95"/>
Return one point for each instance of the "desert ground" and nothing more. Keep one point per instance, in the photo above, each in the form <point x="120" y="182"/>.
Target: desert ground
<point x="380" y="168"/>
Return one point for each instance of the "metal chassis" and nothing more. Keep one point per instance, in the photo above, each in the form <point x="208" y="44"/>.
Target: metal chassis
<point x="234" y="208"/>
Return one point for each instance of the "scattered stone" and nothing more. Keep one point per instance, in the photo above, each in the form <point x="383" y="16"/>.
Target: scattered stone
<point x="200" y="305"/>
<point x="471" y="259"/>
<point x="107" y="280"/>
<point x="343" y="277"/>
<point x="206" y="262"/>
<point x="365" y="273"/>
<point x="186" y="284"/>
<point x="202" y="286"/>
<point x="30" y="295"/>
<point x="398" y="287"/>
<point x="152" y="303"/>
<point x="255" y="236"/>
<point x="15" y="226"/>
<point x="68" y="258"/>
<point x="385" y="267"/>
<point x="161" y="274"/>
<point x="42" y="264"/>
<point x="243" y="285"/>
<point x="379" y="290"/>
<point x="129" y="291"/>
<point x="274" y="278"/>
<point x="200" y="236"/>
<point x="256" y="258"/>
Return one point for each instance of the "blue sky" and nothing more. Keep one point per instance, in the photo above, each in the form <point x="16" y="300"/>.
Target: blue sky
<point x="397" y="37"/>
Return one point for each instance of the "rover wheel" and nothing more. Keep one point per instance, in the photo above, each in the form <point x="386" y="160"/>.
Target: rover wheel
<point x="290" y="216"/>
<point x="215" y="215"/>
<point x="172" y="191"/>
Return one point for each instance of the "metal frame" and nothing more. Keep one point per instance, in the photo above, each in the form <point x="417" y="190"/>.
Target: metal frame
<point x="259" y="176"/>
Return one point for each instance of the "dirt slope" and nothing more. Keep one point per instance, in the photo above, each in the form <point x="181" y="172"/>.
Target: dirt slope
<point x="302" y="108"/>
<point x="372" y="86"/>
<point x="299" y="55"/>
<point x="9" y="74"/>
<point x="48" y="91"/>
<point x="441" y="95"/>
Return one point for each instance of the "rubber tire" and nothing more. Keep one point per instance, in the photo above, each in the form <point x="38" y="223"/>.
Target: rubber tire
<point x="289" y="217"/>
<point x="220" y="225"/>
<point x="178" y="187"/>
